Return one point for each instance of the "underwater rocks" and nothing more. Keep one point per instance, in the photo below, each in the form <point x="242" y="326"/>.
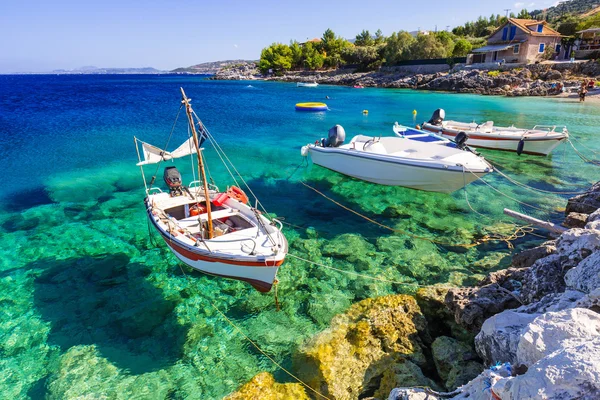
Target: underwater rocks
<point x="456" y="362"/>
<point x="376" y="342"/>
<point x="264" y="387"/>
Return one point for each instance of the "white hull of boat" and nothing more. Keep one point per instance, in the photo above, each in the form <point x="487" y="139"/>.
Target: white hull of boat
<point x="393" y="172"/>
<point x="534" y="144"/>
<point x="300" y="84"/>
<point x="260" y="277"/>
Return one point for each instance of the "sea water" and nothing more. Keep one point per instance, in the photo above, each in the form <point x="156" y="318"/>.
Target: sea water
<point x="92" y="303"/>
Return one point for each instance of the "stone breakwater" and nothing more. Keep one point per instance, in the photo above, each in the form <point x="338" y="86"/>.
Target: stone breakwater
<point x="529" y="331"/>
<point x="530" y="80"/>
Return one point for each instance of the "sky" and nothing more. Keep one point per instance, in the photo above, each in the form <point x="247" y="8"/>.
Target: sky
<point x="45" y="35"/>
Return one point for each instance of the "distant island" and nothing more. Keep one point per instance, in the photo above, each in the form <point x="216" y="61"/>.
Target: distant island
<point x="210" y="68"/>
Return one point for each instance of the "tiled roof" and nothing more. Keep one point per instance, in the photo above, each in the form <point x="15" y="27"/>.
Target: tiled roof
<point x="524" y="25"/>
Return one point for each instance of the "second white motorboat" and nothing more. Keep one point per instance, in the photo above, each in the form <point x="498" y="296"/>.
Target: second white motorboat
<point x="398" y="161"/>
<point x="540" y="140"/>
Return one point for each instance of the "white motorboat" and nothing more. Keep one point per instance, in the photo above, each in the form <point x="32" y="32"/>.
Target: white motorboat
<point x="540" y="140"/>
<point x="399" y="161"/>
<point x="216" y="232"/>
<point x="307" y="84"/>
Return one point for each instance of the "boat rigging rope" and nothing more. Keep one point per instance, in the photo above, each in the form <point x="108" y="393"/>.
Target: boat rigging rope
<point x="375" y="278"/>
<point x="505" y="195"/>
<point x="256" y="346"/>
<point x="166" y="145"/>
<point x="467" y="196"/>
<point x="521" y="231"/>
<point x="530" y="187"/>
<point x="581" y="143"/>
<point x="583" y="157"/>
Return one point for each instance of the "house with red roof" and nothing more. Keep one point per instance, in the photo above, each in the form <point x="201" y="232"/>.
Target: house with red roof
<point x="520" y="41"/>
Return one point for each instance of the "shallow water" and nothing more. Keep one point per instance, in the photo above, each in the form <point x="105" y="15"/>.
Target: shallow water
<point x="91" y="305"/>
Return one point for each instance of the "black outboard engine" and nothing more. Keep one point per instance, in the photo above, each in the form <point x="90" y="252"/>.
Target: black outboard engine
<point x="437" y="117"/>
<point x="460" y="140"/>
<point x="172" y="178"/>
<point x="336" y="137"/>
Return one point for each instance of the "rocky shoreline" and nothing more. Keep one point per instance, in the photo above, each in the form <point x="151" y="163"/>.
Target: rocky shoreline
<point x="529" y="80"/>
<point x="529" y="331"/>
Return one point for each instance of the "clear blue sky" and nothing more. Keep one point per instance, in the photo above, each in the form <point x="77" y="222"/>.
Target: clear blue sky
<point x="42" y="35"/>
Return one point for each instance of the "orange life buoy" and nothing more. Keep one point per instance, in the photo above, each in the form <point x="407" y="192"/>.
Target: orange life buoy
<point x="238" y="194"/>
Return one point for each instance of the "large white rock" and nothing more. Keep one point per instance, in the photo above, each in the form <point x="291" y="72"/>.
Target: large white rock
<point x="585" y="276"/>
<point x="554" y="302"/>
<point x="499" y="336"/>
<point x="576" y="244"/>
<point x="555" y="330"/>
<point x="569" y="373"/>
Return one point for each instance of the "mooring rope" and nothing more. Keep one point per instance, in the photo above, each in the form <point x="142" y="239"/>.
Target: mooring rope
<point x="531" y="187"/>
<point x="583" y="157"/>
<point x="521" y="231"/>
<point x="375" y="278"/>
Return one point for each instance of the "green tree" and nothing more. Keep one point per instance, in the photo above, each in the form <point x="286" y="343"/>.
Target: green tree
<point x="426" y="47"/>
<point x="524" y="14"/>
<point x="397" y="47"/>
<point x="568" y="26"/>
<point x="446" y="39"/>
<point x="313" y="58"/>
<point x="333" y="48"/>
<point x="277" y="57"/>
<point x="379" y="38"/>
<point x="297" y="59"/>
<point x="364" y="39"/>
<point x="368" y="58"/>
<point x="462" y="47"/>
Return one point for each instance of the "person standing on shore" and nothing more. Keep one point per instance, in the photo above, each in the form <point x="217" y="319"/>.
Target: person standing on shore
<point x="582" y="91"/>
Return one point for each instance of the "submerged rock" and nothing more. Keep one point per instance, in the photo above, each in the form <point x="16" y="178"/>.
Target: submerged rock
<point x="456" y="362"/>
<point x="367" y="349"/>
<point x="264" y="387"/>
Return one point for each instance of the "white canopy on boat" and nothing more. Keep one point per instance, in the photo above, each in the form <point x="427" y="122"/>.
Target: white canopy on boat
<point x="153" y="154"/>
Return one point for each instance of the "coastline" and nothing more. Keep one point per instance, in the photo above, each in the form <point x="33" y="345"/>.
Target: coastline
<point x="559" y="80"/>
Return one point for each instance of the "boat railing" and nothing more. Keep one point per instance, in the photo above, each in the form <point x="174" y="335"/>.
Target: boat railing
<point x="149" y="190"/>
<point x="549" y="128"/>
<point x="279" y="223"/>
<point x="198" y="184"/>
<point x="241" y="244"/>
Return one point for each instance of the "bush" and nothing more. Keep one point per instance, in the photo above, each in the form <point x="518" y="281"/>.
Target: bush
<point x="493" y="74"/>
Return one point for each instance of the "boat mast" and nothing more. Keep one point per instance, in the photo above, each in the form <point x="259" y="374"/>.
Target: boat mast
<point x="189" y="112"/>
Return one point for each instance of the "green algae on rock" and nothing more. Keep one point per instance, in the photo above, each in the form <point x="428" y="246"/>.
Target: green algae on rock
<point x="349" y="359"/>
<point x="264" y="387"/>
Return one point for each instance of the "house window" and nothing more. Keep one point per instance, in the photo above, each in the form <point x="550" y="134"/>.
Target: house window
<point x="540" y="28"/>
<point x="516" y="49"/>
<point x="542" y="46"/>
<point x="557" y="48"/>
<point x="513" y="32"/>
<point x="504" y="33"/>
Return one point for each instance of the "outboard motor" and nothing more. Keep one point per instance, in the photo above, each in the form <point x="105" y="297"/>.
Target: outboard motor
<point x="172" y="178"/>
<point x="461" y="139"/>
<point x="437" y="117"/>
<point x="336" y="137"/>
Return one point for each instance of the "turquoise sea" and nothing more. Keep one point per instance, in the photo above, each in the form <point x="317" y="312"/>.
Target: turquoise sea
<point x="91" y="303"/>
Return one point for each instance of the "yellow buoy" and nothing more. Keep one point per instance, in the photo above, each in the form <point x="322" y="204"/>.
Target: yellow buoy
<point x="365" y="112"/>
<point x="414" y="112"/>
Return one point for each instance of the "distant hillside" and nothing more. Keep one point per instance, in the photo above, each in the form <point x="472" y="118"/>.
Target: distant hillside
<point x="209" y="67"/>
<point x="96" y="70"/>
<point x="564" y="8"/>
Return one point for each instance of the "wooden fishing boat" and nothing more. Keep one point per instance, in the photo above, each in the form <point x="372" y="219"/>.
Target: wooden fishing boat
<point x="540" y="140"/>
<point x="399" y="161"/>
<point x="216" y="232"/>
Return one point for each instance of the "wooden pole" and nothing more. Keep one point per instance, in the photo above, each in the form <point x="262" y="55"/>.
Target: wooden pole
<point x="534" y="221"/>
<point x="188" y="109"/>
